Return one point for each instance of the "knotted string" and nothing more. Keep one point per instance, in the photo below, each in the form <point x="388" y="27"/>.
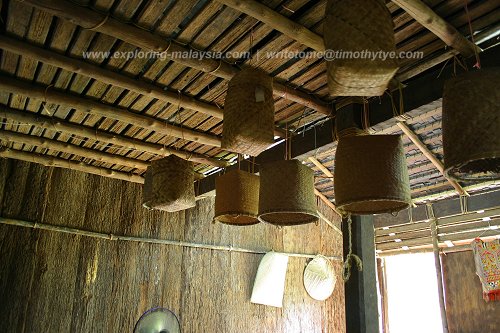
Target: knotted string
<point x="350" y="256"/>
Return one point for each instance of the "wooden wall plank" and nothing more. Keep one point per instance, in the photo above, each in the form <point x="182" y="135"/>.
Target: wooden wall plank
<point x="465" y="308"/>
<point x="68" y="283"/>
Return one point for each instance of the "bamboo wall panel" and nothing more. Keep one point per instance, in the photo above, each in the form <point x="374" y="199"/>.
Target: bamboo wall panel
<point x="465" y="307"/>
<point x="54" y="282"/>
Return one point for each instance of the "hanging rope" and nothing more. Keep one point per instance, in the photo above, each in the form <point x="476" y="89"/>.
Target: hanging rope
<point x="476" y="54"/>
<point x="350" y="256"/>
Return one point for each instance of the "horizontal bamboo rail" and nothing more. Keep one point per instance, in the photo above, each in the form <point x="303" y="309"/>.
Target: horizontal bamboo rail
<point x="90" y="19"/>
<point x="90" y="106"/>
<point x="68" y="148"/>
<point x="113" y="237"/>
<point x="52" y="161"/>
<point x="107" y="76"/>
<point x="68" y="128"/>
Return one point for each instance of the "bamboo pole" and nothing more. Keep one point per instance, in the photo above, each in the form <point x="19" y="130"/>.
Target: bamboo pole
<point x="68" y="148"/>
<point x="96" y="108"/>
<point x="112" y="237"/>
<point x="439" y="275"/>
<point x="424" y="15"/>
<point x="277" y="21"/>
<point x="68" y="128"/>
<point x="326" y="201"/>
<point x="73" y="149"/>
<point x="437" y="163"/>
<point x="112" y="78"/>
<point x="330" y="223"/>
<point x="107" y="76"/>
<point x="52" y="161"/>
<point x="321" y="167"/>
<point x="92" y="20"/>
<point x="442" y="195"/>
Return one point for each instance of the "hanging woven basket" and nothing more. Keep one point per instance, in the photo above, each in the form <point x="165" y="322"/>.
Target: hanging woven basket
<point x="287" y="194"/>
<point x="169" y="185"/>
<point x="471" y="125"/>
<point x="354" y="27"/>
<point x="371" y="175"/>
<point x="249" y="113"/>
<point x="237" y="198"/>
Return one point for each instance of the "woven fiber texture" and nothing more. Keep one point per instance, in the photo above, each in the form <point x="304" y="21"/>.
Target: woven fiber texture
<point x="471" y="125"/>
<point x="319" y="278"/>
<point x="169" y="185"/>
<point x="371" y="175"/>
<point x="269" y="285"/>
<point x="287" y="194"/>
<point x="237" y="198"/>
<point x="249" y="113"/>
<point x="357" y="26"/>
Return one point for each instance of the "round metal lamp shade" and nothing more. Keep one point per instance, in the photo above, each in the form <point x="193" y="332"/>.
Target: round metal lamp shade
<point x="287" y="194"/>
<point x="237" y="198"/>
<point x="371" y="175"/>
<point x="471" y="125"/>
<point x="158" y="320"/>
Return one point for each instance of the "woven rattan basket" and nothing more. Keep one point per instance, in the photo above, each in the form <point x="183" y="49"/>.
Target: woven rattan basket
<point x="471" y="125"/>
<point x="249" y="113"/>
<point x="371" y="175"/>
<point x="169" y="185"/>
<point x="237" y="198"/>
<point x="287" y="194"/>
<point x="359" y="26"/>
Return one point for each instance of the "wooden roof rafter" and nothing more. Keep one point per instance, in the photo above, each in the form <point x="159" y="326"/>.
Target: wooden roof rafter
<point x="98" y="22"/>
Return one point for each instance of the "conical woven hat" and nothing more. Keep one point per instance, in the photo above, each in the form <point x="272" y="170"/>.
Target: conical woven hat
<point x="269" y="285"/>
<point x="319" y="278"/>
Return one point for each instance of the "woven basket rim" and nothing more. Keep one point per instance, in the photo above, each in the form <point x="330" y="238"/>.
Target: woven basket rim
<point x="453" y="170"/>
<point x="313" y="217"/>
<point x="402" y="205"/>
<point x="256" y="221"/>
<point x="236" y="213"/>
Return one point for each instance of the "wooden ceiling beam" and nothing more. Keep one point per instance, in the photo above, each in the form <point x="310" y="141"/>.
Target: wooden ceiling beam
<point x="112" y="78"/>
<point x="51" y="161"/>
<point x="69" y="148"/>
<point x="93" y="20"/>
<point x="278" y="22"/>
<point x="437" y="25"/>
<point x="437" y="163"/>
<point x="12" y="85"/>
<point x="107" y="76"/>
<point x="116" y="140"/>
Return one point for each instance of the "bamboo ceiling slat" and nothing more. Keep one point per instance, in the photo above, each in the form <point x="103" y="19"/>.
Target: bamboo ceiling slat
<point x="205" y="25"/>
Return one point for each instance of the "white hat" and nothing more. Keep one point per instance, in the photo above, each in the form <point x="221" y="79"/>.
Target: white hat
<point x="319" y="278"/>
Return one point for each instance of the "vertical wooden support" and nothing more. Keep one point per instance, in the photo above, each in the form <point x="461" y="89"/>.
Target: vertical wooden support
<point x="361" y="289"/>
<point x="439" y="275"/>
